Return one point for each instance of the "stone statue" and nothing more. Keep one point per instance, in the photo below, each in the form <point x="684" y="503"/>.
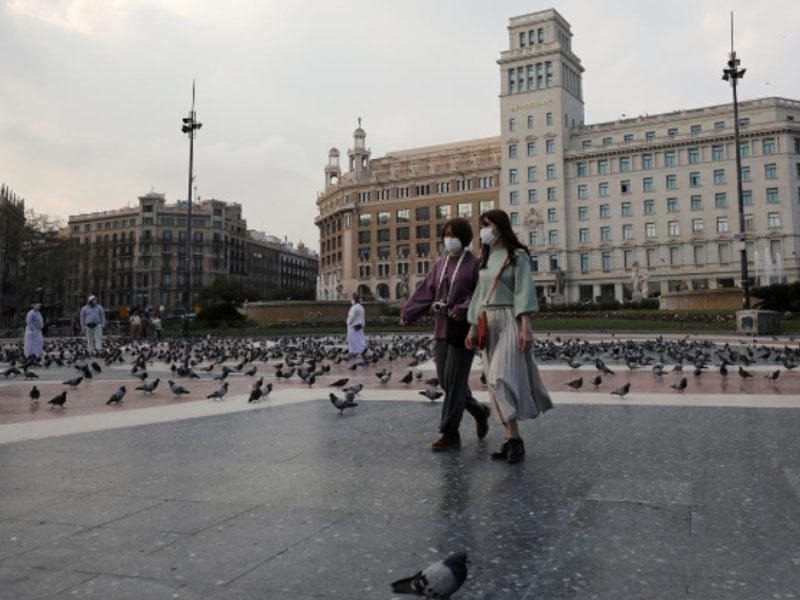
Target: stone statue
<point x="639" y="280"/>
<point x="559" y="283"/>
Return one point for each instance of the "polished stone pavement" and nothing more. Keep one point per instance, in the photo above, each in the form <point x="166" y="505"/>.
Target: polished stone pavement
<point x="648" y="497"/>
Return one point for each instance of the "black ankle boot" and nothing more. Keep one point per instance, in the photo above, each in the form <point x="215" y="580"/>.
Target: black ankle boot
<point x="502" y="453"/>
<point x="516" y="451"/>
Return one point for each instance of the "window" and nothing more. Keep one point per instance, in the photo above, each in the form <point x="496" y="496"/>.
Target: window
<point x="583" y="213"/>
<point x="552" y="236"/>
<point x="649" y="206"/>
<point x="422" y="213"/>
<point x="605" y="233"/>
<point x="602" y="166"/>
<point x="548" y="118"/>
<point x="699" y="255"/>
<point x="695" y="129"/>
<point x="697" y="226"/>
<point x="607" y="141"/>
<point x="672" y="181"/>
<point x="403" y="215"/>
<point x="647" y="161"/>
<point x="384" y="217"/>
<point x="512" y="124"/>
<point x="625" y="186"/>
<point x="624" y="164"/>
<point x="530" y="121"/>
<point x="551" y="171"/>
<point x="771" y="171"/>
<point x="514" y="218"/>
<point x="649" y="230"/>
<point x="696" y="203"/>
<point x="605" y="211"/>
<point x="513" y="177"/>
<point x="745" y="173"/>
<point x="694" y="179"/>
<point x="719" y="125"/>
<point x="722" y="225"/>
<point x="485" y="205"/>
<point x="364" y="237"/>
<point x="383" y="235"/>
<point x="717" y="153"/>
<point x="747" y="197"/>
<point x="627" y="259"/>
<point x="749" y="222"/>
<point x="744" y="149"/>
<point x="443" y="211"/>
<point x="672" y="131"/>
<point x="365" y="219"/>
<point x="551" y="193"/>
<point x="627" y="232"/>
<point x="423" y="231"/>
<point x="628" y="138"/>
<point x="606" y="259"/>
<point x="768" y="146"/>
<point x="772" y="195"/>
<point x="513" y="197"/>
<point x="694" y="156"/>
<point x="533" y="238"/>
<point x="602" y="188"/>
<point x="533" y="196"/>
<point x="512" y="151"/>
<point x="719" y="176"/>
<point x="584" y="262"/>
<point x="586" y="143"/>
<point x="720" y="200"/>
<point x="674" y="256"/>
<point x="647" y="184"/>
<point x="583" y="171"/>
<point x="724" y="253"/>
<point x="531" y="148"/>
<point x="672" y="205"/>
<point x="552" y="215"/>
<point x="583" y="235"/>
<point x="465" y="209"/>
<point x="626" y="209"/>
<point x="669" y="158"/>
<point x="649" y="135"/>
<point x="673" y="228"/>
<point x="550" y="146"/>
<point x="583" y="191"/>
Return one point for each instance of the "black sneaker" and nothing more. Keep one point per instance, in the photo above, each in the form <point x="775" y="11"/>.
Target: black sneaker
<point x="516" y="451"/>
<point x="482" y="423"/>
<point x="502" y="453"/>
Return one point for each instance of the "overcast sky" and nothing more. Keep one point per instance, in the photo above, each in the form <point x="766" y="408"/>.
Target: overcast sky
<point x="93" y="91"/>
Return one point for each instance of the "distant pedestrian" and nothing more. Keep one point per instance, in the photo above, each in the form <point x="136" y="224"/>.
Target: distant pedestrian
<point x="136" y="323"/>
<point x="93" y="319"/>
<point x="356" y="342"/>
<point x="156" y="321"/>
<point x="34" y="323"/>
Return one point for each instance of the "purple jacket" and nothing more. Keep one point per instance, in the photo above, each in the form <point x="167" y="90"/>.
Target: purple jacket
<point x="428" y="291"/>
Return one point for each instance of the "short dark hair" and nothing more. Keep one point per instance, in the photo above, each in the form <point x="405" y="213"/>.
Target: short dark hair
<point x="461" y="229"/>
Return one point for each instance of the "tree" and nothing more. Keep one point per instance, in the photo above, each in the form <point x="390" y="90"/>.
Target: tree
<point x="221" y="300"/>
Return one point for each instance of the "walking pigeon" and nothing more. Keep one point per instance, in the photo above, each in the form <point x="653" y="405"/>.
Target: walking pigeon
<point x="117" y="396"/>
<point x="439" y="580"/>
<point x="341" y="403"/>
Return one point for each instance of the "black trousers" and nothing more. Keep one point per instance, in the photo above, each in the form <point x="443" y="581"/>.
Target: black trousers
<point x="453" y="364"/>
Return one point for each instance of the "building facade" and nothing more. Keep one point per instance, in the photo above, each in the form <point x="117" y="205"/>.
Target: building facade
<point x="12" y="223"/>
<point x="280" y="271"/>
<point x="649" y="201"/>
<point x="137" y="256"/>
<point x="630" y="208"/>
<point x="381" y="221"/>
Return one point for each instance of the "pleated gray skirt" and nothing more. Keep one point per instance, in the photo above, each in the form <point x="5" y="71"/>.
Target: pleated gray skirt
<point x="515" y="387"/>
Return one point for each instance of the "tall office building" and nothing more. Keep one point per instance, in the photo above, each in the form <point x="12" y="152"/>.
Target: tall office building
<point x="653" y="197"/>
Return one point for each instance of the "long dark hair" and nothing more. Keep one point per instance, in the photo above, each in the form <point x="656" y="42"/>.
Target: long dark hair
<point x="500" y="219"/>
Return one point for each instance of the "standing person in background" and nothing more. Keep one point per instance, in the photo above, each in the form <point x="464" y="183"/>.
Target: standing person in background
<point x="156" y="321"/>
<point x="93" y="319"/>
<point x="356" y="343"/>
<point x="448" y="288"/>
<point x="34" y="340"/>
<point x="136" y="323"/>
<point x="506" y="292"/>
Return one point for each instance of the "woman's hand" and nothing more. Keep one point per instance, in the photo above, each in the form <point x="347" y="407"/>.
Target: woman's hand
<point x="525" y="340"/>
<point x="469" y="342"/>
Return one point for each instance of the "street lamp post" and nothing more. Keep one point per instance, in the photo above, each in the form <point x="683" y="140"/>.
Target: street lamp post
<point x="733" y="74"/>
<point x="190" y="125"/>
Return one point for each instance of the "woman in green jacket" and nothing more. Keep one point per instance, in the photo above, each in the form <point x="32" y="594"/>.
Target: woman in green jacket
<point x="506" y="292"/>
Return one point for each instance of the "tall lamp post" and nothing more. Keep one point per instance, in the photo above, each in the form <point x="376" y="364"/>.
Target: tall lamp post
<point x="190" y="125"/>
<point x="733" y="74"/>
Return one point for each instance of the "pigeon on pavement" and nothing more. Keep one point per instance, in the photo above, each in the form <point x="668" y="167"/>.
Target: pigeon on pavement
<point x="439" y="580"/>
<point x="341" y="403"/>
<point x="219" y="394"/>
<point x="117" y="396"/>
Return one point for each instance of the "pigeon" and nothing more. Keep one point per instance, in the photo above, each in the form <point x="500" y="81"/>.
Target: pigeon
<point x="59" y="400"/>
<point x="597" y="380"/>
<point x="439" y="580"/>
<point x="772" y="376"/>
<point x="576" y="384"/>
<point x="30" y="374"/>
<point x="148" y="388"/>
<point x="432" y="395"/>
<point x="219" y="394"/>
<point x="680" y="386"/>
<point x="385" y="378"/>
<point x="407" y="378"/>
<point x="744" y="374"/>
<point x="432" y="382"/>
<point x="34" y="394"/>
<point x="259" y="392"/>
<point x="622" y="391"/>
<point x="73" y="382"/>
<point x="601" y="366"/>
<point x="96" y="367"/>
<point x="117" y="396"/>
<point x="251" y="371"/>
<point x="340" y="382"/>
<point x="341" y="403"/>
<point x="176" y="389"/>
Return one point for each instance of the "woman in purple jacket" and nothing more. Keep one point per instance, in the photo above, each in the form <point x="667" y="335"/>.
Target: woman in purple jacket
<point x="448" y="289"/>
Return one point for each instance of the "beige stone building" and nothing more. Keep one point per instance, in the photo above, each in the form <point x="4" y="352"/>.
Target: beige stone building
<point x="380" y="221"/>
<point x="649" y="201"/>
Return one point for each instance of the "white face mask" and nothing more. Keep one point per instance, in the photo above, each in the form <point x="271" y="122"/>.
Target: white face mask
<point x="488" y="236"/>
<point x="452" y="244"/>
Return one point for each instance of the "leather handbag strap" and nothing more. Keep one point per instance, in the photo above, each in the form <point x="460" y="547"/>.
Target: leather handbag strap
<point x="496" y="280"/>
